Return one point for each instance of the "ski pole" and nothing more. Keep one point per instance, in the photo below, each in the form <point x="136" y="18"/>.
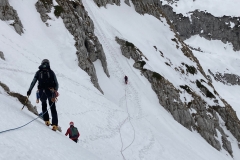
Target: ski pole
<point x="25" y="102"/>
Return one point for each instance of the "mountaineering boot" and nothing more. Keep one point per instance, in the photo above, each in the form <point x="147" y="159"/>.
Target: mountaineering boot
<point x="54" y="128"/>
<point x="47" y="123"/>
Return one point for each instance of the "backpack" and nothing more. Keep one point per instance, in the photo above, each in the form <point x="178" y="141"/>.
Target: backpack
<point x="46" y="79"/>
<point x="73" y="132"/>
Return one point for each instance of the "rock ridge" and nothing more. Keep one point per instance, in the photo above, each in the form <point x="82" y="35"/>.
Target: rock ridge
<point x="7" y="13"/>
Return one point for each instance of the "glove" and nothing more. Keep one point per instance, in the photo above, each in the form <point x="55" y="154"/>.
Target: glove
<point x="51" y="89"/>
<point x="56" y="93"/>
<point x="28" y="92"/>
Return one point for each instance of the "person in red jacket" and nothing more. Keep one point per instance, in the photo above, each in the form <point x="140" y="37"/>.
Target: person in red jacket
<point x="73" y="132"/>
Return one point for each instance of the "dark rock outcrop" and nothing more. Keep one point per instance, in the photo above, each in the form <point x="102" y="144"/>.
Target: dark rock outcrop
<point x="44" y="7"/>
<point x="231" y="120"/>
<point x="127" y="2"/>
<point x="101" y="3"/>
<point x="151" y="7"/>
<point x="7" y="13"/>
<point x="226" y="78"/>
<point x="2" y="55"/>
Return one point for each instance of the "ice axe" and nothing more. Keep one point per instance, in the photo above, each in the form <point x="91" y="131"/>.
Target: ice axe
<point x="25" y="102"/>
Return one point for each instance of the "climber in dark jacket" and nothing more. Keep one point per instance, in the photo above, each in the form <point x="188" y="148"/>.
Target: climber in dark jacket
<point x="126" y="79"/>
<point x="47" y="86"/>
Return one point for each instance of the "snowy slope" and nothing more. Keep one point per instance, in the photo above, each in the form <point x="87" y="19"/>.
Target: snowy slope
<point x="35" y="141"/>
<point x="127" y="122"/>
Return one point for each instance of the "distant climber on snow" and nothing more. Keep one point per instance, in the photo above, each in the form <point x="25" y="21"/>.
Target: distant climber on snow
<point x="126" y="79"/>
<point x="47" y="88"/>
<point x="72" y="132"/>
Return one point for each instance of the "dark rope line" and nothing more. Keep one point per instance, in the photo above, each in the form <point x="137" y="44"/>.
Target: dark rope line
<point x="28" y="122"/>
<point x="130" y="123"/>
<point x="129" y="119"/>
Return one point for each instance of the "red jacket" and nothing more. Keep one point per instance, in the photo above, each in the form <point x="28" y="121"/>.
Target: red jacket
<point x="68" y="132"/>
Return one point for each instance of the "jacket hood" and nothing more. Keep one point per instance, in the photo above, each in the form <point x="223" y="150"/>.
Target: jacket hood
<point x="44" y="66"/>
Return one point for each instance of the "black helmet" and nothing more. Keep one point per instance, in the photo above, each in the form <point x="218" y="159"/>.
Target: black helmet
<point x="45" y="61"/>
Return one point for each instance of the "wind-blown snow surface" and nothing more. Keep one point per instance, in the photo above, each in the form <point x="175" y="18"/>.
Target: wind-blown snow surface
<point x="127" y="122"/>
<point x="217" y="8"/>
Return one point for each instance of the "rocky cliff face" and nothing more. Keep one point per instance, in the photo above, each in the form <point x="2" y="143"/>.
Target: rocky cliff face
<point x="7" y="13"/>
<point x="197" y="114"/>
<point x="80" y="25"/>
<point x="226" y="29"/>
<point x="226" y="78"/>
